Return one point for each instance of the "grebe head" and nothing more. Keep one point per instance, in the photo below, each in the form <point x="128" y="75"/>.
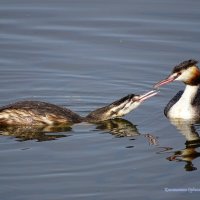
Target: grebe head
<point x="120" y="107"/>
<point x="187" y="72"/>
<point x="131" y="101"/>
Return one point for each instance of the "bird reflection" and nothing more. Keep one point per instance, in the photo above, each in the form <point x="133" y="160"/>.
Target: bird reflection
<point x="189" y="153"/>
<point x="123" y="128"/>
<point x="38" y="133"/>
<point x="117" y="127"/>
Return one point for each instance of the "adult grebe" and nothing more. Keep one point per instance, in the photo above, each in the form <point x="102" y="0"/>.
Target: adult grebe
<point x="185" y="104"/>
<point x="42" y="113"/>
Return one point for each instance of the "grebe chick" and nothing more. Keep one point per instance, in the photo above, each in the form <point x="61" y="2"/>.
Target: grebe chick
<point x="42" y="113"/>
<point x="185" y="104"/>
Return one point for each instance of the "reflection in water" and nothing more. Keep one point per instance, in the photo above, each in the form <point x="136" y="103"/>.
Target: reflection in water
<point x="41" y="133"/>
<point x="123" y="128"/>
<point x="188" y="130"/>
<point x="117" y="127"/>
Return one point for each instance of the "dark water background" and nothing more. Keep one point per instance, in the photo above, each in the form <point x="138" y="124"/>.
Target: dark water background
<point x="83" y="54"/>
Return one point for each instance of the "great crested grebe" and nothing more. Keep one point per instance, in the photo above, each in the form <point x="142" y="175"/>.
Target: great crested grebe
<point x="42" y="113"/>
<point x="185" y="104"/>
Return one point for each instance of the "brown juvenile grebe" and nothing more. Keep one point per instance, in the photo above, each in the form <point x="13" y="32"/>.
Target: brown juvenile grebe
<point x="185" y="104"/>
<point x="42" y="113"/>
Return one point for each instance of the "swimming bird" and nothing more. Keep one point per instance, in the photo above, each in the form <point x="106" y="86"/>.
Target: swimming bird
<point x="185" y="104"/>
<point x="37" y="113"/>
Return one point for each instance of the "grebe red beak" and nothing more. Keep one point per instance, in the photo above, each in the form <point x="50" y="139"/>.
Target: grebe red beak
<point x="169" y="79"/>
<point x="141" y="98"/>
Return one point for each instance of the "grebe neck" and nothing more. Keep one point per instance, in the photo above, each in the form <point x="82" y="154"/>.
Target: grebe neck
<point x="184" y="108"/>
<point x="189" y="94"/>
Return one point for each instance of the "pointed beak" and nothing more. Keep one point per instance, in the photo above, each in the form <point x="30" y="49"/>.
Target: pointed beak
<point x="169" y="79"/>
<point x="147" y="95"/>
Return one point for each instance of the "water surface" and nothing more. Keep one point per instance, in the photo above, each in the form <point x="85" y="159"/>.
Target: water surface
<point x="84" y="55"/>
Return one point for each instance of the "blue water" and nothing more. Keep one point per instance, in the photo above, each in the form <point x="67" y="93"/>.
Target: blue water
<point x="84" y="55"/>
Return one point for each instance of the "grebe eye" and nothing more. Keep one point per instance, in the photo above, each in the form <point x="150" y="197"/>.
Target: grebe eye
<point x="179" y="73"/>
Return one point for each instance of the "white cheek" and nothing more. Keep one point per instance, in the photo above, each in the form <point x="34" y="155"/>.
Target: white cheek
<point x="135" y="105"/>
<point x="185" y="76"/>
<point x="128" y="108"/>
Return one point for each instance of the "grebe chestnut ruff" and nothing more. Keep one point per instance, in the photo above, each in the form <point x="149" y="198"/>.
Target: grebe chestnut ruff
<point x="185" y="104"/>
<point x="38" y="113"/>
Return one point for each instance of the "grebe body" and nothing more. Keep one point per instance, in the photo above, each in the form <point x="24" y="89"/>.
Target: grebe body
<point x="36" y="113"/>
<point x="41" y="113"/>
<point x="185" y="104"/>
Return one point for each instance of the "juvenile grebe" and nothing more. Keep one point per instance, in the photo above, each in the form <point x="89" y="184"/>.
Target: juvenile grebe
<point x="42" y="113"/>
<point x="185" y="104"/>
